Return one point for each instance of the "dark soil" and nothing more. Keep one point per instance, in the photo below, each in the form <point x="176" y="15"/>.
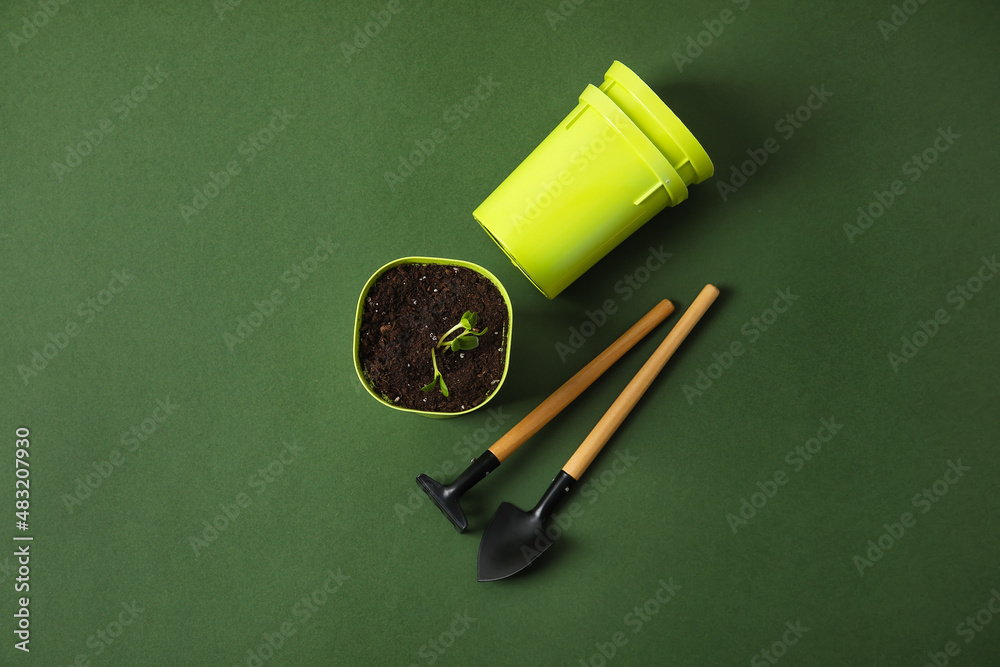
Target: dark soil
<point x="406" y="310"/>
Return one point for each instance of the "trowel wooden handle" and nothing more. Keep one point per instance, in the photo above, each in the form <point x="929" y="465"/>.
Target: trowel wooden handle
<point x="574" y="386"/>
<point x="616" y="414"/>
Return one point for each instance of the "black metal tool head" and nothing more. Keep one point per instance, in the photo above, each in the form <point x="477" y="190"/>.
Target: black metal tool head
<point x="448" y="496"/>
<point x="515" y="538"/>
<point x="446" y="499"/>
<point x="512" y="541"/>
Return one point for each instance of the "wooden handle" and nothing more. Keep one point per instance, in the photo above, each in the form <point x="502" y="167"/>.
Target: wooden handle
<point x="574" y="386"/>
<point x="616" y="414"/>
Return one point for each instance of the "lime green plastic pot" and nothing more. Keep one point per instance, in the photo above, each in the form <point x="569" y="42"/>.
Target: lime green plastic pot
<point x="612" y="164"/>
<point x="429" y="260"/>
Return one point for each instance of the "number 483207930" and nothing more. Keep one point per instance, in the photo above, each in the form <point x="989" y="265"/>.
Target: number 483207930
<point x="22" y="471"/>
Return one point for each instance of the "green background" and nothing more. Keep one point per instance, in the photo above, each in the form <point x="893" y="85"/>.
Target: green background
<point x="345" y="501"/>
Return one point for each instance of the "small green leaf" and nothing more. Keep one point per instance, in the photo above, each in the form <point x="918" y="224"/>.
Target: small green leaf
<point x="437" y="377"/>
<point x="469" y="319"/>
<point x="466" y="343"/>
<point x="480" y="333"/>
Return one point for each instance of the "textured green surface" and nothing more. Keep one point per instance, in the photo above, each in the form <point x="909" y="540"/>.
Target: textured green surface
<point x="341" y="500"/>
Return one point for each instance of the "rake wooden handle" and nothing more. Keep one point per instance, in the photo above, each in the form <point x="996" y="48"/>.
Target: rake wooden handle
<point x="574" y="386"/>
<point x="623" y="405"/>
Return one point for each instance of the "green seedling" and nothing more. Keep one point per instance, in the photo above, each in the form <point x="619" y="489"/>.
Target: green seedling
<point x="466" y="338"/>
<point x="437" y="377"/>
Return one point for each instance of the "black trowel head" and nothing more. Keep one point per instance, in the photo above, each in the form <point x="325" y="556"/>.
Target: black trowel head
<point x="511" y="543"/>
<point x="515" y="538"/>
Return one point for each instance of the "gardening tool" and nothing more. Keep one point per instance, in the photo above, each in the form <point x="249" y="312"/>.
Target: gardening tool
<point x="515" y="538"/>
<point x="447" y="496"/>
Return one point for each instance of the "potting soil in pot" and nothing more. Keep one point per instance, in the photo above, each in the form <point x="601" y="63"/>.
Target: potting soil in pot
<point x="406" y="311"/>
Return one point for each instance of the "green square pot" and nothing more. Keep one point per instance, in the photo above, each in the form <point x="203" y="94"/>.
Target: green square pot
<point x="446" y="262"/>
